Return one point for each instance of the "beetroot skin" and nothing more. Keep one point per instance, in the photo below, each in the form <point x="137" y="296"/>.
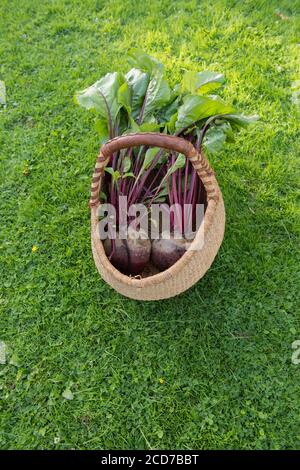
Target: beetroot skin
<point x="120" y="256"/>
<point x="130" y="255"/>
<point x="165" y="252"/>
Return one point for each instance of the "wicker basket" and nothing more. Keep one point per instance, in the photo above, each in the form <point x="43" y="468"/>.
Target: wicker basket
<point x="194" y="263"/>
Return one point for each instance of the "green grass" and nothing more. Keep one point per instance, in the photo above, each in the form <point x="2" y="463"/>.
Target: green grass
<point x="223" y="349"/>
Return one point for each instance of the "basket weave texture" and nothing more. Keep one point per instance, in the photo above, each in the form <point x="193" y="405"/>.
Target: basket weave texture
<point x="195" y="262"/>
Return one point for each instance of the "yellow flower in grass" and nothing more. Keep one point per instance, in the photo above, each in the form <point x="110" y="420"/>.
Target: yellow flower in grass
<point x="161" y="380"/>
<point x="34" y="249"/>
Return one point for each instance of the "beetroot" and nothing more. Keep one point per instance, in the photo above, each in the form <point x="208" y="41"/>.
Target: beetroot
<point x="119" y="257"/>
<point x="165" y="252"/>
<point x="129" y="255"/>
<point x="139" y="251"/>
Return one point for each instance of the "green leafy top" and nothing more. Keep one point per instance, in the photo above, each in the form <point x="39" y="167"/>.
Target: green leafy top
<point x="142" y="101"/>
<point x="202" y="82"/>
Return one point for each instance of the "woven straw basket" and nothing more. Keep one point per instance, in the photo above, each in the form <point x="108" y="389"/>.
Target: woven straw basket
<point x="195" y="262"/>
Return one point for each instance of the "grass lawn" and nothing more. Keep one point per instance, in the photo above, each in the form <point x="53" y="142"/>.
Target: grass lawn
<point x="86" y="368"/>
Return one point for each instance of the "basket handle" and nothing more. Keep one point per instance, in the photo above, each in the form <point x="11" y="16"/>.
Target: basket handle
<point x="153" y="139"/>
